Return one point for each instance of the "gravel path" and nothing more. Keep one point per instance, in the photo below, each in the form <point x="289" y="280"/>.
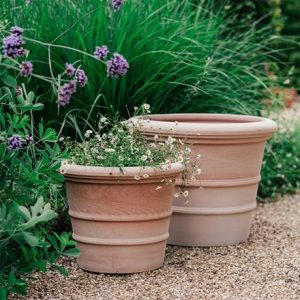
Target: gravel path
<point x="266" y="267"/>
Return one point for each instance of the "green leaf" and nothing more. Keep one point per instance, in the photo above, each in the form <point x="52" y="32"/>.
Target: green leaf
<point x="9" y="80"/>
<point x="57" y="176"/>
<point x="3" y="293"/>
<point x="61" y="270"/>
<point x="73" y="252"/>
<point x="41" y="265"/>
<point x="49" y="135"/>
<point x="38" y="106"/>
<point x="30" y="97"/>
<point x="47" y="216"/>
<point x="25" y="212"/>
<point x="25" y="107"/>
<point x="30" y="239"/>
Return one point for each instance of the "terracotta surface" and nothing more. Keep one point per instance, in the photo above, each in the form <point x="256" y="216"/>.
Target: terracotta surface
<point x="222" y="200"/>
<point x="120" y="223"/>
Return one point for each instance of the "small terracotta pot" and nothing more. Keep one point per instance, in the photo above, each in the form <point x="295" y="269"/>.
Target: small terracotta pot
<point x="222" y="199"/>
<point x="120" y="223"/>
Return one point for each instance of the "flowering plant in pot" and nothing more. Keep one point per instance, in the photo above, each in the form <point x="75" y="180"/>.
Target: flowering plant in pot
<point x="120" y="190"/>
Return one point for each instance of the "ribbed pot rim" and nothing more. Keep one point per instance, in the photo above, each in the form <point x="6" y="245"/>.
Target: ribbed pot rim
<point x="205" y="124"/>
<point x="68" y="169"/>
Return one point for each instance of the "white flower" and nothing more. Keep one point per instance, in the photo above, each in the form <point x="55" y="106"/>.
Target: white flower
<point x="188" y="150"/>
<point x="137" y="177"/>
<point x="146" y="106"/>
<point x="98" y="137"/>
<point x="165" y="167"/>
<point x="198" y="171"/>
<point x="180" y="158"/>
<point x="61" y="139"/>
<point x="103" y="119"/>
<point x="109" y="150"/>
<point x="88" y="133"/>
<point x="185" y="194"/>
<point x="121" y="158"/>
<point x="135" y="108"/>
<point x="170" y="140"/>
<point x="287" y="81"/>
<point x="176" y="195"/>
<point x="144" y="157"/>
<point x="145" y="176"/>
<point x="199" y="155"/>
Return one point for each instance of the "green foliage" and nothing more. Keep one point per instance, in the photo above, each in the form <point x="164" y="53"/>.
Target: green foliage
<point x="26" y="246"/>
<point x="31" y="171"/>
<point x="29" y="185"/>
<point x="281" y="166"/>
<point x="291" y="38"/>
<point x="183" y="58"/>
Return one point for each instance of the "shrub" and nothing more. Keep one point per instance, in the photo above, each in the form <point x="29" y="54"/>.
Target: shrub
<point x="29" y="185"/>
<point x="281" y="166"/>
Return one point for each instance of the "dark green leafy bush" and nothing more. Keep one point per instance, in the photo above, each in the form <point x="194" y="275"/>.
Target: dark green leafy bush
<point x="281" y="166"/>
<point x="29" y="186"/>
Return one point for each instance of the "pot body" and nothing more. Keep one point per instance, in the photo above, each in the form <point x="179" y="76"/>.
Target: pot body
<point x="222" y="200"/>
<point x="120" y="223"/>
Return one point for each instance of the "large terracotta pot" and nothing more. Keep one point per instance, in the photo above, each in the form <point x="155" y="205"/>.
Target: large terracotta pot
<point x="222" y="199"/>
<point x="120" y="223"/>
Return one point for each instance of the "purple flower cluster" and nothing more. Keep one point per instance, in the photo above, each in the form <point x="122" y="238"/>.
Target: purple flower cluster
<point x="117" y="4"/>
<point x="16" y="30"/>
<point x="13" y="44"/>
<point x="26" y="68"/>
<point x="70" y="69"/>
<point x="29" y="139"/>
<point x="117" y="66"/>
<point x="101" y="52"/>
<point x="14" y="142"/>
<point x="81" y="77"/>
<point x="65" y="92"/>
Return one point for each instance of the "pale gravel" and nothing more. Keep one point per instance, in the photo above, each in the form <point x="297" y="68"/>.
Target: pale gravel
<point x="265" y="267"/>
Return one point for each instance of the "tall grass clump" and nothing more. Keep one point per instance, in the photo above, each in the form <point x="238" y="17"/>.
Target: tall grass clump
<point x="182" y="56"/>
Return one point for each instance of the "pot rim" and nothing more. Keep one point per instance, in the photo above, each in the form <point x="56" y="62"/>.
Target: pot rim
<point x="68" y="169"/>
<point x="205" y="124"/>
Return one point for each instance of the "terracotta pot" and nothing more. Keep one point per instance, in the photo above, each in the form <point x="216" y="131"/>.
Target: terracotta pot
<point x="120" y="223"/>
<point x="222" y="199"/>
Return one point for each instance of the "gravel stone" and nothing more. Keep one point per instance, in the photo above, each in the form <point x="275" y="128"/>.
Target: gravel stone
<point x="267" y="266"/>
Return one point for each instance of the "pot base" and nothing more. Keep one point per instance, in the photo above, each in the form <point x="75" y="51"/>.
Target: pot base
<point x="121" y="259"/>
<point x="210" y="231"/>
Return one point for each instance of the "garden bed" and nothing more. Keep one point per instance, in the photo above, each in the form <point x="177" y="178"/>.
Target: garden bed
<point x="265" y="267"/>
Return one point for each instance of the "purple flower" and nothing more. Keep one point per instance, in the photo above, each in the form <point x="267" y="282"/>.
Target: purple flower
<point x="19" y="91"/>
<point x="70" y="69"/>
<point x="29" y="139"/>
<point x="26" y="68"/>
<point x="16" y="30"/>
<point x="117" y="66"/>
<point x="13" y="46"/>
<point x="65" y="92"/>
<point x="14" y="142"/>
<point x="101" y="52"/>
<point x="117" y="4"/>
<point x="81" y="77"/>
